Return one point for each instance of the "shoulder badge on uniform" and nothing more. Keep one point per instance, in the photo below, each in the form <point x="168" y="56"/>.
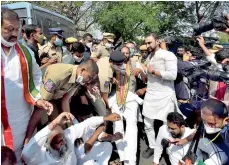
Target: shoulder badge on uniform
<point x="107" y="83"/>
<point x="49" y="85"/>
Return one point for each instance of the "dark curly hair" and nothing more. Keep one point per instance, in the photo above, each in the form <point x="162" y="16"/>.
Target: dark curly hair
<point x="176" y="118"/>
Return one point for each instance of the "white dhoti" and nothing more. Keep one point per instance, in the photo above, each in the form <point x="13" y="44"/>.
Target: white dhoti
<point x="99" y="154"/>
<point x="127" y="147"/>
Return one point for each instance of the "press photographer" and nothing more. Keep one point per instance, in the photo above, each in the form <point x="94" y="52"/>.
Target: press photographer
<point x="217" y="89"/>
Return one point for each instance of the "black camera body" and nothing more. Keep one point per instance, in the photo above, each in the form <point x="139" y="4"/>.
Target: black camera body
<point x="218" y="22"/>
<point x="202" y="70"/>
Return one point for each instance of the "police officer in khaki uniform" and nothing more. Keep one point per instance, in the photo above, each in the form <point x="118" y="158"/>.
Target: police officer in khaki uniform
<point x="61" y="81"/>
<point x="67" y="55"/>
<point x="144" y="54"/>
<point x="53" y="49"/>
<point x="105" y="47"/>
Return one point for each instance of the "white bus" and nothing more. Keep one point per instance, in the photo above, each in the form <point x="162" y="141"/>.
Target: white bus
<point x="32" y="14"/>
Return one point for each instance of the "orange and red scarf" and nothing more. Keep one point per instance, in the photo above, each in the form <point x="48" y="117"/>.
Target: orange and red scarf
<point x="122" y="89"/>
<point x="31" y="94"/>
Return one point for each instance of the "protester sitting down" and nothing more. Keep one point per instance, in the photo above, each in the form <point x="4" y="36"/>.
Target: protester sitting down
<point x="20" y="85"/>
<point x="90" y="147"/>
<point x="175" y="128"/>
<point x="60" y="82"/>
<point x="53" y="145"/>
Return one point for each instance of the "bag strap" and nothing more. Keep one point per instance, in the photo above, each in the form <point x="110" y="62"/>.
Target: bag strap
<point x="195" y="139"/>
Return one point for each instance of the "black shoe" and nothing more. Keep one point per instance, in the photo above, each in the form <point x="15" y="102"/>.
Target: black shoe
<point x="147" y="153"/>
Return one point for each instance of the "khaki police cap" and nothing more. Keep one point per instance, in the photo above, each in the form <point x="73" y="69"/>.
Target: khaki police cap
<point x="109" y="36"/>
<point x="70" y="40"/>
<point x="143" y="47"/>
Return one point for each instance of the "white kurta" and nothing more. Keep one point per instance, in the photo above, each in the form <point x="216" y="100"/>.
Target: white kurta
<point x="175" y="153"/>
<point x="127" y="147"/>
<point x="35" y="151"/>
<point x="99" y="154"/>
<point x="19" y="111"/>
<point x="160" y="98"/>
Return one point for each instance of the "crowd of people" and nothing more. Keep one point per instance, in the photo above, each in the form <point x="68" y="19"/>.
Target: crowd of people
<point x="76" y="100"/>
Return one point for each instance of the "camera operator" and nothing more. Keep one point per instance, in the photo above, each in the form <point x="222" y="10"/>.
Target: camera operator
<point x="175" y="128"/>
<point x="219" y="22"/>
<point x="216" y="122"/>
<point x="215" y="141"/>
<point x="218" y="90"/>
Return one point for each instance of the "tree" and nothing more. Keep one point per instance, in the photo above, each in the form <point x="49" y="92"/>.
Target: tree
<point x="130" y="19"/>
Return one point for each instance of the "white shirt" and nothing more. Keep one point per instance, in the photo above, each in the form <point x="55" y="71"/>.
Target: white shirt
<point x="19" y="111"/>
<point x="160" y="93"/>
<point x="35" y="151"/>
<point x="213" y="61"/>
<point x="175" y="153"/>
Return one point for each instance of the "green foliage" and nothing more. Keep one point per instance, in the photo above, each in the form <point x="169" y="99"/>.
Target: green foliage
<point x="128" y="18"/>
<point x="223" y="37"/>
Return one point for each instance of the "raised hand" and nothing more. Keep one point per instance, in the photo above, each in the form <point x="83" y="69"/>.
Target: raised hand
<point x="112" y="117"/>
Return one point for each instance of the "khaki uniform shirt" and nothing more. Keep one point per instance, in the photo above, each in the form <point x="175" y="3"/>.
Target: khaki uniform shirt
<point x="58" y="80"/>
<point x="101" y="51"/>
<point x="105" y="74"/>
<point x="51" y="51"/>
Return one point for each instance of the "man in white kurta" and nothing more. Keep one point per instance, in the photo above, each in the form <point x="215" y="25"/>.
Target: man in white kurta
<point x="160" y="98"/>
<point x="128" y="109"/>
<point x="17" y="111"/>
<point x="39" y="150"/>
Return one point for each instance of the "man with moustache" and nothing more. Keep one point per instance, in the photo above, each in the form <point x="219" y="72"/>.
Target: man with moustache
<point x="160" y="98"/>
<point x="20" y="80"/>
<point x="35" y="36"/>
<point x="175" y="128"/>
<point x="53" y="145"/>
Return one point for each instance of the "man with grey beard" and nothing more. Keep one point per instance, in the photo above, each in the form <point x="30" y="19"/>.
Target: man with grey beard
<point x="53" y="145"/>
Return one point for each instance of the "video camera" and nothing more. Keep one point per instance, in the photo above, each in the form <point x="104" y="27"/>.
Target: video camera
<point x="201" y="70"/>
<point x="218" y="22"/>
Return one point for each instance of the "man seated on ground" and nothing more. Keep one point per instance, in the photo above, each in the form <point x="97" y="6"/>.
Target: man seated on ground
<point x="53" y="145"/>
<point x="175" y="128"/>
<point x="90" y="147"/>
